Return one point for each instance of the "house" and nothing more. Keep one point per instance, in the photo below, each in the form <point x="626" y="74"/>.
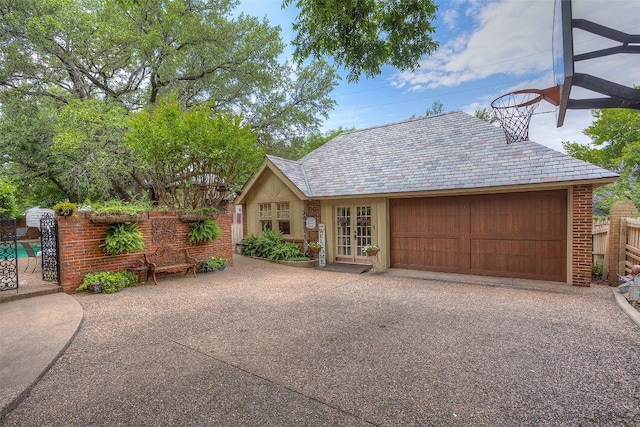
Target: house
<point x="438" y="193"/>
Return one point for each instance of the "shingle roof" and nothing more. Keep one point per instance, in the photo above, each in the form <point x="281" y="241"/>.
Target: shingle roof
<point x="444" y="152"/>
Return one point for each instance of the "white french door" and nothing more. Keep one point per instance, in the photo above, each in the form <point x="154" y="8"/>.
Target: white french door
<point x="354" y="231"/>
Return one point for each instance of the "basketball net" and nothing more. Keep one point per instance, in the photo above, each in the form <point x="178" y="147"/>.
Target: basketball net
<point x="514" y="110"/>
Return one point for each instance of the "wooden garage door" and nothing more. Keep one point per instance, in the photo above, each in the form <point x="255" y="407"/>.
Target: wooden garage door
<point x="520" y="235"/>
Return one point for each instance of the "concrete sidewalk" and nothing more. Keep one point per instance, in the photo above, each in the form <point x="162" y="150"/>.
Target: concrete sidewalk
<point x="263" y="344"/>
<point x="35" y="332"/>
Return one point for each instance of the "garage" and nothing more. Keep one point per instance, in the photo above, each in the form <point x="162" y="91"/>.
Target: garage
<point x="520" y="235"/>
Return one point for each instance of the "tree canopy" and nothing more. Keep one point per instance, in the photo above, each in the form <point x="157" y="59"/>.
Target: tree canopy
<point x="189" y="154"/>
<point x="72" y="70"/>
<point x="615" y="136"/>
<point x="364" y="35"/>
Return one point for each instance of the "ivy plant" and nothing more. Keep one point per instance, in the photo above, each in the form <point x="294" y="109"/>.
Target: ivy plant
<point x="110" y="282"/>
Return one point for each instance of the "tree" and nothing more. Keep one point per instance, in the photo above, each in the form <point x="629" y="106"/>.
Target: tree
<point x="615" y="136"/>
<point x="56" y="53"/>
<point x="436" y="108"/>
<point x="300" y="147"/>
<point x="89" y="133"/>
<point x="26" y="140"/>
<point x="189" y="153"/>
<point x="8" y="205"/>
<point x="485" y="114"/>
<point x="363" y="35"/>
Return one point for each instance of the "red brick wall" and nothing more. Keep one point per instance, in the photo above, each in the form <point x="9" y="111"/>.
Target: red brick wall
<point x="80" y="239"/>
<point x="245" y="217"/>
<point x="312" y="209"/>
<point x="581" y="232"/>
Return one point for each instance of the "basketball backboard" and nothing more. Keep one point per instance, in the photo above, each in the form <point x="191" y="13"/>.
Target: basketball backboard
<point x="563" y="66"/>
<point x="567" y="75"/>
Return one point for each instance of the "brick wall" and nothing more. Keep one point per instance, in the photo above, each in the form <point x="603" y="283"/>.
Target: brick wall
<point x="581" y="234"/>
<point x="312" y="209"/>
<point x="80" y="239"/>
<point x="245" y="218"/>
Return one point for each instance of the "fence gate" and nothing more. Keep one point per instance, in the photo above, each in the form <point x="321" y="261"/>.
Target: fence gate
<point x="8" y="254"/>
<point x="49" y="247"/>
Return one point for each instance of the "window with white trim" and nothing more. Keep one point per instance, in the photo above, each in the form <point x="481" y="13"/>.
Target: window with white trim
<point x="265" y="216"/>
<point x="282" y="215"/>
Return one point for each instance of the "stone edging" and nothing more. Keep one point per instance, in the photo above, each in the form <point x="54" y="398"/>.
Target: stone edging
<point x="300" y="264"/>
<point x="622" y="302"/>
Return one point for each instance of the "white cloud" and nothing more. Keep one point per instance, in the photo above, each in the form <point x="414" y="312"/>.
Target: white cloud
<point x="450" y="18"/>
<point x="514" y="38"/>
<point x="504" y="38"/>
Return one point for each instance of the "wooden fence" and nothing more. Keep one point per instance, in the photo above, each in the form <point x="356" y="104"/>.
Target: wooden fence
<point x="600" y="239"/>
<point x="629" y="252"/>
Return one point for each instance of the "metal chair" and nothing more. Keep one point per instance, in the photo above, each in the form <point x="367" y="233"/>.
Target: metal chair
<point x="31" y="254"/>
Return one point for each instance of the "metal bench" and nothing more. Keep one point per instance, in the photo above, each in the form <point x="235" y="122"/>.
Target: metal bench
<point x="168" y="260"/>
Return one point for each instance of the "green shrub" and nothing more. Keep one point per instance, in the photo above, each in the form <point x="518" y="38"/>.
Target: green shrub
<point x="285" y="251"/>
<point x="8" y="201"/>
<point x="271" y="245"/>
<point x="212" y="264"/>
<point x="120" y="207"/>
<point x="123" y="238"/>
<point x="110" y="282"/>
<point x="267" y="242"/>
<point x="250" y="245"/>
<point x="596" y="270"/>
<point x="204" y="231"/>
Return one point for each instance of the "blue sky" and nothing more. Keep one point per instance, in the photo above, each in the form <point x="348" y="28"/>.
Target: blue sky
<point x="487" y="48"/>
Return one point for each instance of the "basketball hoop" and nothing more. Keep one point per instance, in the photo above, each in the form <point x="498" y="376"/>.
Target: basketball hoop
<point x="514" y="110"/>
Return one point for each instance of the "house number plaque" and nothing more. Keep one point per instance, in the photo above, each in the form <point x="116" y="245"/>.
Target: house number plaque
<point x="311" y="222"/>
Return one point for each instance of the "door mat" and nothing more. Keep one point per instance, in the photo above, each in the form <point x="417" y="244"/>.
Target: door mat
<point x="347" y="268"/>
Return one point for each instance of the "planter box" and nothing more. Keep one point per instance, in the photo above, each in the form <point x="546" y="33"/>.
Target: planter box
<point x="193" y="216"/>
<point x="113" y="218"/>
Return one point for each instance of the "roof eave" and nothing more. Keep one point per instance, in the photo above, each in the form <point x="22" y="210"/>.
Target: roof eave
<point x="554" y="185"/>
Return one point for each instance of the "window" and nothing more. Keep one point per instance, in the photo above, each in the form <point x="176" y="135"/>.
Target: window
<point x="265" y="216"/>
<point x="281" y="221"/>
<point x="282" y="214"/>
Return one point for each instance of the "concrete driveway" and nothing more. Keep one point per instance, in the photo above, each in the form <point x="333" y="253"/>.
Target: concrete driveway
<point x="261" y="344"/>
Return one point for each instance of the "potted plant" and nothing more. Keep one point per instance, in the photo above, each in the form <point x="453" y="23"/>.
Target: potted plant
<point x="203" y="231"/>
<point x="315" y="247"/>
<point x="122" y="239"/>
<point x="213" y="264"/>
<point x="65" y="209"/>
<point x="371" y="250"/>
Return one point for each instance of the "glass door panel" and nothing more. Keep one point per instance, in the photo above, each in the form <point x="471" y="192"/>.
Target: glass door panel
<point x="363" y="229"/>
<point x="354" y="231"/>
<point x="343" y="234"/>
